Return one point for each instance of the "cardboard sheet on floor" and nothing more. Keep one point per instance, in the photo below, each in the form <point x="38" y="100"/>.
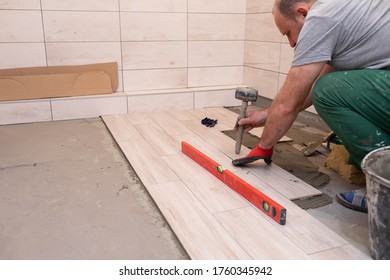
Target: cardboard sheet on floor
<point x="58" y="81"/>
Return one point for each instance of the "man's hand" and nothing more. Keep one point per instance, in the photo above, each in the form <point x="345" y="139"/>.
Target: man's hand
<point x="254" y="119"/>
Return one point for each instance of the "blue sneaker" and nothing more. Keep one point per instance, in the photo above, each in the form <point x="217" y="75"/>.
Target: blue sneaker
<point x="356" y="200"/>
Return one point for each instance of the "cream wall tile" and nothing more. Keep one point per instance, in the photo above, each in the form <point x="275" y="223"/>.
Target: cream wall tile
<point x="259" y="6"/>
<point x="152" y="55"/>
<point x="215" y="53"/>
<point x="82" y="32"/>
<point x="83" y="53"/>
<point x="20" y="26"/>
<point x="81" y="26"/>
<point x="282" y="79"/>
<point x="285" y="40"/>
<point x="215" y="76"/>
<point x="25" y="111"/>
<point x="286" y="57"/>
<point x="217" y="6"/>
<point x="20" y="4"/>
<point x="263" y="55"/>
<point x="216" y="26"/>
<point x="15" y="55"/>
<point x="77" y="5"/>
<point x="155" y="79"/>
<point x="88" y="107"/>
<point x="153" y="26"/>
<point x="311" y="109"/>
<point x="160" y="102"/>
<point x="216" y="98"/>
<point x="266" y="82"/>
<point x="158" y="91"/>
<point x="153" y="5"/>
<point x="261" y="27"/>
<point x="120" y="81"/>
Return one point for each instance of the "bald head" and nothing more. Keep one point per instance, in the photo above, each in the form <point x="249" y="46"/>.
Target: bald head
<point x="288" y="7"/>
<point x="290" y="16"/>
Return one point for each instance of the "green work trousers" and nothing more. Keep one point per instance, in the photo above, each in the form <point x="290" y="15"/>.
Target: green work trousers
<point x="356" y="106"/>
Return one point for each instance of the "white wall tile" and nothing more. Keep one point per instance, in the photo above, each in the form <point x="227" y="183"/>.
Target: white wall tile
<point x="152" y="55"/>
<point x="20" y="26"/>
<point x="15" y="55"/>
<point x="312" y="109"/>
<point x="259" y="6"/>
<point x="77" y="5"/>
<point x="263" y="55"/>
<point x="216" y="26"/>
<point x="215" y="76"/>
<point x="77" y="53"/>
<point x="286" y="57"/>
<point x="157" y="46"/>
<point x="215" y="53"/>
<point x="261" y="27"/>
<point x="266" y="82"/>
<point x="120" y="81"/>
<point x="216" y="98"/>
<point x="153" y="26"/>
<point x="153" y="5"/>
<point x="20" y="4"/>
<point x="282" y="79"/>
<point x="81" y="26"/>
<point x="154" y="79"/>
<point x="217" y="6"/>
<point x="88" y="107"/>
<point x="285" y="40"/>
<point x="25" y="111"/>
<point x="160" y="102"/>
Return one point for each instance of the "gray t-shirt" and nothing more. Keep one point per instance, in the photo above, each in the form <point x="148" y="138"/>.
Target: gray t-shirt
<point x="348" y="34"/>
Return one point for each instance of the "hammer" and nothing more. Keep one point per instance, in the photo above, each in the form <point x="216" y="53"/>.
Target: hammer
<point x="245" y="94"/>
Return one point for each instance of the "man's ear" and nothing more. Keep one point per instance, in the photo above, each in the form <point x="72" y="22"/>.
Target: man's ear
<point x="301" y="12"/>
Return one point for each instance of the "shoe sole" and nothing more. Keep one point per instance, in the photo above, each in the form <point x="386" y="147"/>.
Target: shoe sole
<point x="247" y="160"/>
<point x="349" y="205"/>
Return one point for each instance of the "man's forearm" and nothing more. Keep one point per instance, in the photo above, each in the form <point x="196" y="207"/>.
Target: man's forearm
<point x="294" y="95"/>
<point x="278" y="123"/>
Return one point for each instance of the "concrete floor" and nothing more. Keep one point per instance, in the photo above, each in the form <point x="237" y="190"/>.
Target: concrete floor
<point x="67" y="192"/>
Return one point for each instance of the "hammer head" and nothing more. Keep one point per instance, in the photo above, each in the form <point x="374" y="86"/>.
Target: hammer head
<point x="246" y="94"/>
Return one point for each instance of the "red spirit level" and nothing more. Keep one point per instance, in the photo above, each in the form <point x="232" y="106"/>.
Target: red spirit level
<point x="253" y="195"/>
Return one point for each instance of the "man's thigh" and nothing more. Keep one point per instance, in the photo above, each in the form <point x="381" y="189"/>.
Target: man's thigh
<point x="356" y="106"/>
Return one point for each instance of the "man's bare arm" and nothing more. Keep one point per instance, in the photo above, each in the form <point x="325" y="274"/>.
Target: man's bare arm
<point x="294" y="95"/>
<point x="325" y="70"/>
